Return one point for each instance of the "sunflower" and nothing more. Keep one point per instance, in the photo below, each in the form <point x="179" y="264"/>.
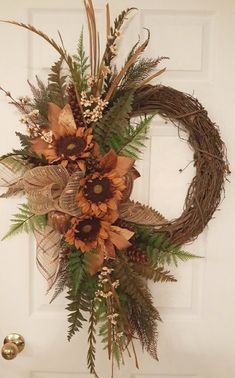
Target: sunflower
<point x="68" y="143"/>
<point x="88" y="233"/>
<point x="101" y="191"/>
<point x="92" y="233"/>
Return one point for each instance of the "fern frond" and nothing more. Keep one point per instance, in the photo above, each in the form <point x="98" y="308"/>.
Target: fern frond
<point x="25" y="221"/>
<point x="160" y="249"/>
<point x="81" y="60"/>
<point x="76" y="270"/>
<point x="61" y="282"/>
<point x="78" y="304"/>
<point x="24" y="139"/>
<point x="144" y="325"/>
<point x="154" y="274"/>
<point x="40" y="100"/>
<point x="132" y="141"/>
<point x="114" y="122"/>
<point x="57" y="84"/>
<point x="142" y="313"/>
<point x="139" y="214"/>
<point x="132" y="284"/>
<point x="102" y="320"/>
<point x="92" y="340"/>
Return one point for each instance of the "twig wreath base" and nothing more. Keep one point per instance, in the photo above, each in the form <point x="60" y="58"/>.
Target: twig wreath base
<point x="210" y="161"/>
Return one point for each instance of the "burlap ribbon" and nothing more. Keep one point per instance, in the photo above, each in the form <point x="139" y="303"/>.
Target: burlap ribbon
<point x="51" y="188"/>
<point x="47" y="188"/>
<point x="48" y="253"/>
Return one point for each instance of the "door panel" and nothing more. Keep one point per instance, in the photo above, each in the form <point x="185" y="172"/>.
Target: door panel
<point x="196" y="337"/>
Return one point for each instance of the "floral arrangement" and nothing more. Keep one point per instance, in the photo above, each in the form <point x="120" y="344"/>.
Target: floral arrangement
<point x="76" y="169"/>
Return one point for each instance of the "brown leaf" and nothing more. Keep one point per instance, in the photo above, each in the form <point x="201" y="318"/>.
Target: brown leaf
<point x="137" y="213"/>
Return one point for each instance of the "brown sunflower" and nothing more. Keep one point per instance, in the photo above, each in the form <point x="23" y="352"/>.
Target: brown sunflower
<point x="101" y="191"/>
<point x="100" y="234"/>
<point x="68" y="143"/>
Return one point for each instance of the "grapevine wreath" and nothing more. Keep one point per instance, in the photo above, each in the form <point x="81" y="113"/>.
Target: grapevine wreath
<point x="85" y="129"/>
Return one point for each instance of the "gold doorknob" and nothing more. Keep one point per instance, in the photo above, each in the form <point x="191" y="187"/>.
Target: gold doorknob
<point x="13" y="344"/>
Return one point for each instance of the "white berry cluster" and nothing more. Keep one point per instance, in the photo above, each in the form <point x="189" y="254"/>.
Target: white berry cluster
<point x="104" y="278"/>
<point x="30" y="117"/>
<point x="24" y="100"/>
<point x="94" y="107"/>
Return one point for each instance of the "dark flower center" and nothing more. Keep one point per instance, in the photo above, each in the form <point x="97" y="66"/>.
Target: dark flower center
<point x="98" y="190"/>
<point x="70" y="146"/>
<point x="88" y="229"/>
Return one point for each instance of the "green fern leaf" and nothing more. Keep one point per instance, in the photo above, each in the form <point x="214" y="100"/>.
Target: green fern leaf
<point x="113" y="123"/>
<point x="61" y="282"/>
<point x="76" y="270"/>
<point x="92" y="340"/>
<point x="160" y="249"/>
<point x="133" y="139"/>
<point x="78" y="303"/>
<point x="25" y="221"/>
<point x="81" y="62"/>
<point x="24" y="140"/>
<point x="57" y="84"/>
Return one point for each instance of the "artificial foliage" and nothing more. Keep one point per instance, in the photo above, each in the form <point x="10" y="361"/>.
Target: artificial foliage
<point x="82" y="133"/>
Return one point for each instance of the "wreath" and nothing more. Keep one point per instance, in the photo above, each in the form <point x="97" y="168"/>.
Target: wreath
<point x="85" y="129"/>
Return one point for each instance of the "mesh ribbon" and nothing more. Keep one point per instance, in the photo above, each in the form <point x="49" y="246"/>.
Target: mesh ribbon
<point x="48" y="253"/>
<point x="51" y="188"/>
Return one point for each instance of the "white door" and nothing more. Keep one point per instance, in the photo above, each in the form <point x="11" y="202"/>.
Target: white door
<point x="197" y="337"/>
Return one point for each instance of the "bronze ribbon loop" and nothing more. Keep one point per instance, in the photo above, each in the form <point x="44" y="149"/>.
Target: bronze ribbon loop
<point x="51" y="188"/>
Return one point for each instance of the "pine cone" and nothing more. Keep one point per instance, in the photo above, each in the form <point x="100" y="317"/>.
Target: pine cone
<point x="92" y="165"/>
<point x="77" y="113"/>
<point x="136" y="255"/>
